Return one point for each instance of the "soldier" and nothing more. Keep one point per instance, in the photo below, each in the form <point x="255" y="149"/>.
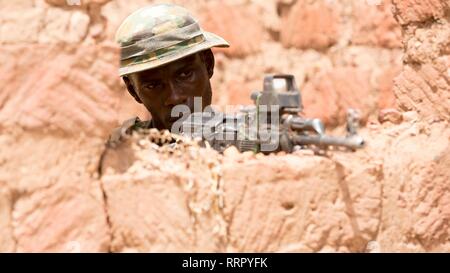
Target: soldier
<point x="166" y="60"/>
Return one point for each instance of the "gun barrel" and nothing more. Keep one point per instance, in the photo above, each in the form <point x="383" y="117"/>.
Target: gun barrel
<point x="353" y="142"/>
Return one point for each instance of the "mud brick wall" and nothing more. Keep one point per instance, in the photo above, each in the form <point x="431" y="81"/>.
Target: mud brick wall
<point x="62" y="190"/>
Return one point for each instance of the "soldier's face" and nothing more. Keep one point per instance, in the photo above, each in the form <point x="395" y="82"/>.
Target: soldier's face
<point x="176" y="83"/>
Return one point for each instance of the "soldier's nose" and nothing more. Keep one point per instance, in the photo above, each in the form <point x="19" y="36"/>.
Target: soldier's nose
<point x="176" y="97"/>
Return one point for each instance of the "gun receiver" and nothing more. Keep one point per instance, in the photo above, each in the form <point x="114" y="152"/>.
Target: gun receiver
<point x="272" y="124"/>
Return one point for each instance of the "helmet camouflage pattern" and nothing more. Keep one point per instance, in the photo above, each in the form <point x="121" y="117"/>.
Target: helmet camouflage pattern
<point x="160" y="34"/>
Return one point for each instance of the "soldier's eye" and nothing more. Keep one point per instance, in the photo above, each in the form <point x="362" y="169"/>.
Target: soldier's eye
<point x="185" y="74"/>
<point x="150" y="86"/>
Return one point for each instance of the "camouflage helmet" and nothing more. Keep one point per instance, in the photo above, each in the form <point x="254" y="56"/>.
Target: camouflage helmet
<point x="159" y="34"/>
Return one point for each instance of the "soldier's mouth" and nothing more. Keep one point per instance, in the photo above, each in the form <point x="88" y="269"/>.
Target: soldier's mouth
<point x="180" y="116"/>
<point x="173" y="119"/>
<point x="170" y="121"/>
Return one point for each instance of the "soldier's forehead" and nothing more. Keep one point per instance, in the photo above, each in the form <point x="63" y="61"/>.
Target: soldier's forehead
<point x="191" y="59"/>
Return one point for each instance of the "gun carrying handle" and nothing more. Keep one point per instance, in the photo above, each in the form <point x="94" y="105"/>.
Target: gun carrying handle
<point x="290" y="82"/>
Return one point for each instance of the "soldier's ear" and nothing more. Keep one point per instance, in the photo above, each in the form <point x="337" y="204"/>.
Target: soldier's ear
<point x="208" y="58"/>
<point x="131" y="89"/>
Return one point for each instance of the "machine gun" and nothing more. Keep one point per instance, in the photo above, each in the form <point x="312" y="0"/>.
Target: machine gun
<point x="272" y="124"/>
